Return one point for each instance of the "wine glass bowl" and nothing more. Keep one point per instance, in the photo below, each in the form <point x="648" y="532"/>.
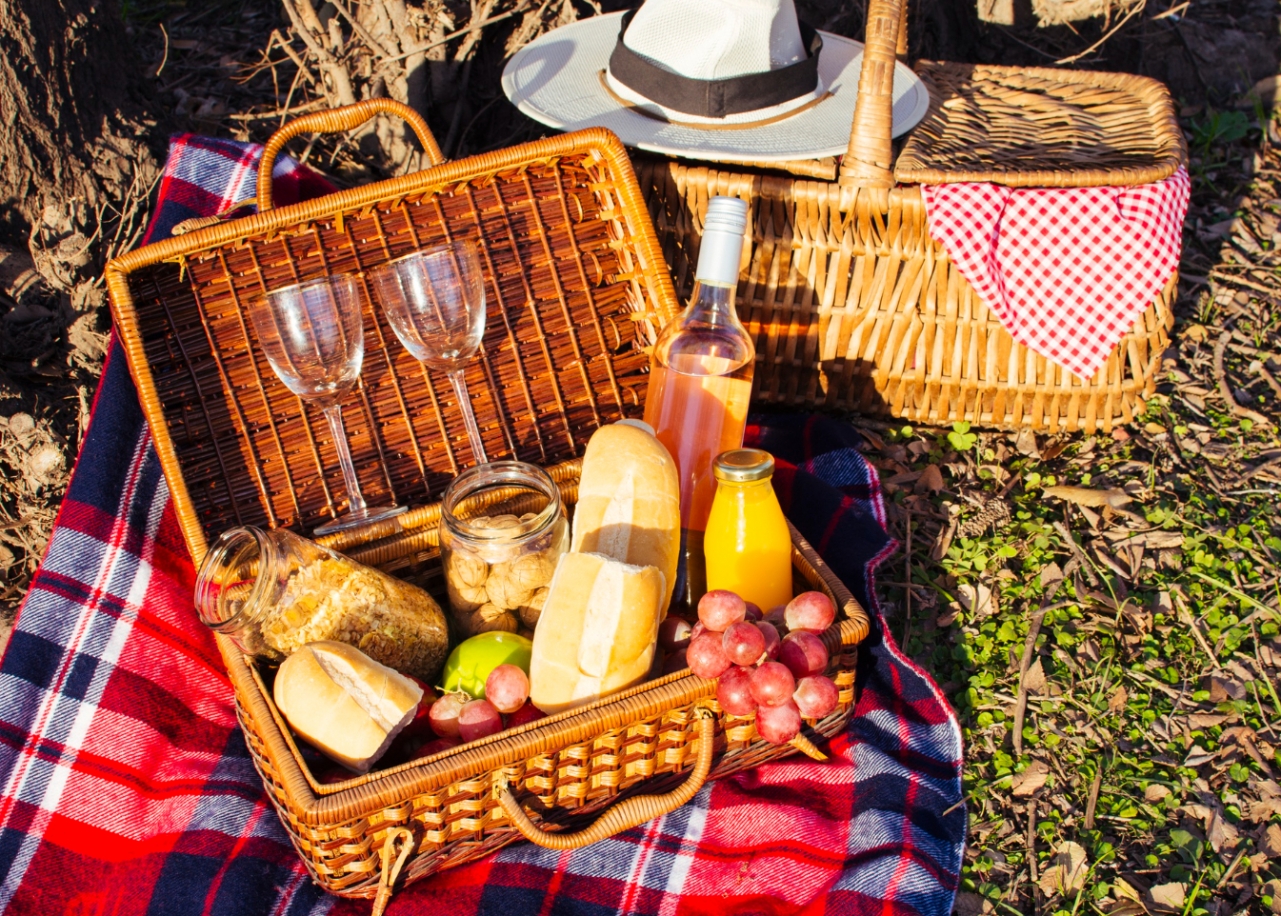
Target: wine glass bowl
<point x="434" y="300"/>
<point x="313" y="337"/>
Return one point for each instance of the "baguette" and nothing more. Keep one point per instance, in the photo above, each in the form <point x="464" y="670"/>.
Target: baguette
<point x="629" y="501"/>
<point x="344" y="703"/>
<point x="597" y="633"/>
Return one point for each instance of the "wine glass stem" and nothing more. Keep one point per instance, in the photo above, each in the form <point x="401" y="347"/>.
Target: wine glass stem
<point x="469" y="417"/>
<point x="333" y="414"/>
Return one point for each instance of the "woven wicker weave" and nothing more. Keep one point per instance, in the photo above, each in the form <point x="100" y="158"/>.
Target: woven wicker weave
<point x="576" y="290"/>
<point x="855" y="307"/>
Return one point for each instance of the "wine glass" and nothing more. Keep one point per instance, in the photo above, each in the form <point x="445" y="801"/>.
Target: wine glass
<point x="435" y="302"/>
<point x="312" y="335"/>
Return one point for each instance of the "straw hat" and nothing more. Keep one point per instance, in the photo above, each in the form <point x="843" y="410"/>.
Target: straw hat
<point x="704" y="79"/>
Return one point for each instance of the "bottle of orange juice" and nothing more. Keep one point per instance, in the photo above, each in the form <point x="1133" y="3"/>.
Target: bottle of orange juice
<point x="700" y="383"/>
<point x="748" y="546"/>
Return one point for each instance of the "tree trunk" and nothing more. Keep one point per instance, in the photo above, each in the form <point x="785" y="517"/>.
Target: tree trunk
<point x="75" y="162"/>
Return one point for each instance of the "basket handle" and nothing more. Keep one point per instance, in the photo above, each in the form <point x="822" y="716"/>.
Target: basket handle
<point x="869" y="158"/>
<point x="625" y="815"/>
<point x="336" y="120"/>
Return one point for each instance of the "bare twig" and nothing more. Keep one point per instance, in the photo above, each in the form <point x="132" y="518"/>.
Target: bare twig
<point x="474" y="27"/>
<point x="1134" y="11"/>
<point x="1029" y="650"/>
<point x="1075" y="548"/>
<point x="279" y="112"/>
<point x="1218" y="274"/>
<point x="1031" y="845"/>
<point x="338" y="76"/>
<point x="164" y="59"/>
<point x="1225" y="390"/>
<point x="1094" y="797"/>
<point x="374" y="44"/>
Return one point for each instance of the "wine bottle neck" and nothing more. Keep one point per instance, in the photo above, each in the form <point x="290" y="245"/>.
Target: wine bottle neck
<point x="719" y="255"/>
<point x="711" y="305"/>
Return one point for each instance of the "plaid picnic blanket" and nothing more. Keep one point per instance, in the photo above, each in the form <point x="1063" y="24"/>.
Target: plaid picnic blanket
<point x="126" y="787"/>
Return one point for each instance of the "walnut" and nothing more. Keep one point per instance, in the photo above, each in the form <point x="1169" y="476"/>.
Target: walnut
<point x="531" y="610"/>
<point x="489" y="617"/>
<point x="505" y="589"/>
<point x="533" y="570"/>
<point x="465" y="578"/>
<point x="467" y="571"/>
<point x="464" y="598"/>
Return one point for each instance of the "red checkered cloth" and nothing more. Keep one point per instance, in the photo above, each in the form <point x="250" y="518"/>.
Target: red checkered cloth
<point x="126" y="787"/>
<point x="1067" y="271"/>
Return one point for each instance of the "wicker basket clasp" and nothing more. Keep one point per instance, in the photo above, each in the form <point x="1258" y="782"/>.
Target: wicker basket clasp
<point x="391" y="869"/>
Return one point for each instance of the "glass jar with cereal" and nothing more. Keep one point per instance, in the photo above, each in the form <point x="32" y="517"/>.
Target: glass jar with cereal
<point x="272" y="592"/>
<point x="502" y="528"/>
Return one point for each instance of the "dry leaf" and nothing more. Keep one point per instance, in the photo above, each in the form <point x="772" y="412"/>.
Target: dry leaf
<point x="1201" y="720"/>
<point x="1266" y="788"/>
<point x="1085" y="496"/>
<point x="975" y="598"/>
<point x="930" y="481"/>
<point x="1124" y="891"/>
<point x="1154" y="540"/>
<point x="1262" y="811"/>
<point x="1272" y="889"/>
<point x="1167" y="898"/>
<point x="1198" y="756"/>
<point x="1051" y="579"/>
<point x="1034" y="680"/>
<point x="1240" y="670"/>
<point x="1220" y="833"/>
<point x="1223" y="689"/>
<point x="1025" y="442"/>
<point x="1117" y="701"/>
<point x="1067" y="875"/>
<point x="1155" y="792"/>
<point x="1031" y="779"/>
<point x="1270" y="844"/>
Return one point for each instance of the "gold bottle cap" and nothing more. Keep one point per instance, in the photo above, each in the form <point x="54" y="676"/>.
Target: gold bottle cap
<point x="742" y="465"/>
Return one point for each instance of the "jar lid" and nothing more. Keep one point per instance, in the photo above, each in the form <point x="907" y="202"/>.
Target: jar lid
<point x="742" y="465"/>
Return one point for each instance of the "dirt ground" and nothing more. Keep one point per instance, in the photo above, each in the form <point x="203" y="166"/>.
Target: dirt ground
<point x="1180" y="631"/>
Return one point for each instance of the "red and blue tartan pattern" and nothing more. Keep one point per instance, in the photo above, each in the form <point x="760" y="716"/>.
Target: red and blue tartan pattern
<point x="126" y="787"/>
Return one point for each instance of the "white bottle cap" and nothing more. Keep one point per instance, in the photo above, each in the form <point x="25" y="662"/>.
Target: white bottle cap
<point x="722" y="245"/>
<point x="639" y="424"/>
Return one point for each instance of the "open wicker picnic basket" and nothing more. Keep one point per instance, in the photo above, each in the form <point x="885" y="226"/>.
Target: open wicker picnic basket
<point x="576" y="289"/>
<point x="854" y="306"/>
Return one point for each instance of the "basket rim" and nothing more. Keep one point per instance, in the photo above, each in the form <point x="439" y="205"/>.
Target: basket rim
<point x="652" y="266"/>
<point x="1153" y="93"/>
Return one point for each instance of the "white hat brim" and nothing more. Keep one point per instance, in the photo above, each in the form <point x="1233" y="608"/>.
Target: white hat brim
<point x="556" y="80"/>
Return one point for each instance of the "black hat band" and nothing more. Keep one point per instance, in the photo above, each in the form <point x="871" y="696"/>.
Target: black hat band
<point x="716" y="98"/>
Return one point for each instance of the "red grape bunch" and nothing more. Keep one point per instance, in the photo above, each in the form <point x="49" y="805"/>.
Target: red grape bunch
<point x="781" y="680"/>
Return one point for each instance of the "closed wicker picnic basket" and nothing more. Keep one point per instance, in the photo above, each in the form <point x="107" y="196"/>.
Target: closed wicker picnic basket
<point x="854" y="306"/>
<point x="576" y="289"/>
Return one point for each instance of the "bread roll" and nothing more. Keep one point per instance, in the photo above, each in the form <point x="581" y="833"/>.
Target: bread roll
<point x="344" y="703"/>
<point x="597" y="632"/>
<point x="629" y="501"/>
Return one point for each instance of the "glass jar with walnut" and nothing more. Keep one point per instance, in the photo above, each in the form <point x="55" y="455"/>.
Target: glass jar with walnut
<point x="502" y="528"/>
